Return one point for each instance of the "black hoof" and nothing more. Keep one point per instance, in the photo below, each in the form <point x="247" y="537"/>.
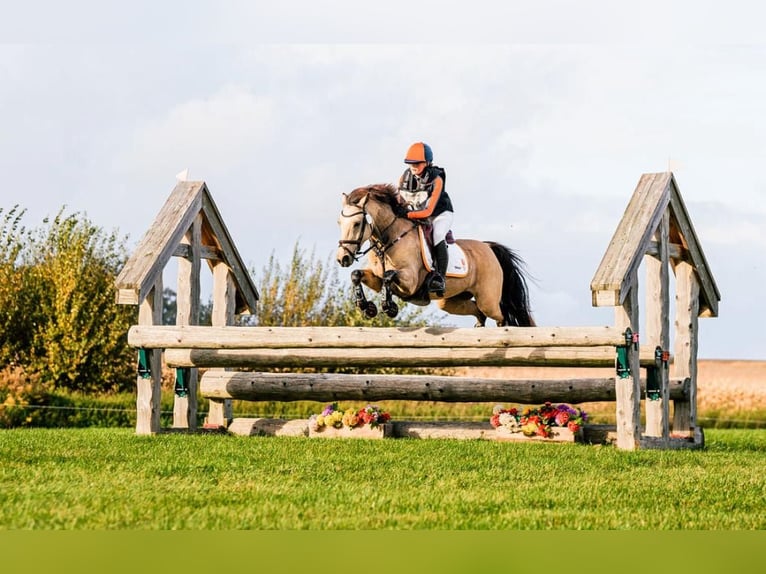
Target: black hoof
<point x="392" y="310"/>
<point x="370" y="310"/>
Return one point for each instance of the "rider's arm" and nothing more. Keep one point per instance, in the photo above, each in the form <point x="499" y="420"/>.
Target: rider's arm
<point x="433" y="199"/>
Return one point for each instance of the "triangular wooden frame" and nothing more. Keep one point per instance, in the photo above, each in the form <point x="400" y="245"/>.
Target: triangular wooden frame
<point x="655" y="194"/>
<point x="163" y="240"/>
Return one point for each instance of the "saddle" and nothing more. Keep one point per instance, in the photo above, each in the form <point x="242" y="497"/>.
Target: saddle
<point x="428" y="232"/>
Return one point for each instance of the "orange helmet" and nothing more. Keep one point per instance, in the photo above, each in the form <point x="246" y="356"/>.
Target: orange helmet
<point x="419" y="152"/>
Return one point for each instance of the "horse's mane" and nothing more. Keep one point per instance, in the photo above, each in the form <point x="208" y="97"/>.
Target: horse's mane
<point x="382" y="192"/>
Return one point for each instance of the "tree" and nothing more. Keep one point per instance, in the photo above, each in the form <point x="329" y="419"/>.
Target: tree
<point x="59" y="315"/>
<point x="170" y="309"/>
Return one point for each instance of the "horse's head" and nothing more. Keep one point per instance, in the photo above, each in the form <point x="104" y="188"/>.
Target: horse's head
<point x="355" y="228"/>
<point x="359" y="210"/>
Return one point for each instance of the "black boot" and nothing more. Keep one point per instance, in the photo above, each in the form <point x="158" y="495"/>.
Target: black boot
<point x="437" y="284"/>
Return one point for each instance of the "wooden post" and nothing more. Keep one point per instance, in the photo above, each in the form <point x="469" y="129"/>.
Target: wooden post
<point x="150" y="389"/>
<point x="224" y="302"/>
<point x="658" y="327"/>
<point x="628" y="390"/>
<point x="187" y="301"/>
<point x="685" y="347"/>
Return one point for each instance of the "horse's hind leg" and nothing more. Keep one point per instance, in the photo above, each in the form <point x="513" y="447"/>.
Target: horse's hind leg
<point x="462" y="306"/>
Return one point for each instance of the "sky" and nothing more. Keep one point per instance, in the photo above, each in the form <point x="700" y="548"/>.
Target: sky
<point x="544" y="115"/>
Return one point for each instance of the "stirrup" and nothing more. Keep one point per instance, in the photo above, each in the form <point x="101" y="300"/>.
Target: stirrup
<point x="437" y="284"/>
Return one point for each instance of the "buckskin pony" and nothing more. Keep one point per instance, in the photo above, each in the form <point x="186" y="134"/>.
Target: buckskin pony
<point x="491" y="283"/>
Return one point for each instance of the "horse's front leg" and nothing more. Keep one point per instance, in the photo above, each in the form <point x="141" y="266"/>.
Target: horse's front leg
<point x="389" y="307"/>
<point x="367" y="277"/>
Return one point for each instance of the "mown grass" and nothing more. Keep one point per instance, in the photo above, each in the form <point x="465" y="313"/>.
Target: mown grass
<point x="112" y="479"/>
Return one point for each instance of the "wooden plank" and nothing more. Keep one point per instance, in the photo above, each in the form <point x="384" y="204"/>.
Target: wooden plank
<point x="633" y="235"/>
<point x="628" y="389"/>
<point x="709" y="290"/>
<point x="685" y="345"/>
<point x="190" y="337"/>
<point x="329" y="387"/>
<point x="148" y="391"/>
<point x="402" y="358"/>
<point x="158" y="244"/>
<point x="247" y="294"/>
<point x="658" y="327"/>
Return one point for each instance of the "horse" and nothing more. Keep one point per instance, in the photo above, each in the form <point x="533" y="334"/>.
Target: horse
<point x="494" y="285"/>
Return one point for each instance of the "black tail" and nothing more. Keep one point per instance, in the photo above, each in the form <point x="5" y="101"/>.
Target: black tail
<point x="514" y="302"/>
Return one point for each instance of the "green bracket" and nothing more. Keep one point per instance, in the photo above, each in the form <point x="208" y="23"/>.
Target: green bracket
<point x="623" y="365"/>
<point x="144" y="368"/>
<point x="182" y="382"/>
<point x="654" y="375"/>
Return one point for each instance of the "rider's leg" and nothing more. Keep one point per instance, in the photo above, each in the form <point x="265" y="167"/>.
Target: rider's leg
<point x="441" y="226"/>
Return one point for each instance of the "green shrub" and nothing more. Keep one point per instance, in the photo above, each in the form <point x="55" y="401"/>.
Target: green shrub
<point x="59" y="318"/>
<point x="20" y="392"/>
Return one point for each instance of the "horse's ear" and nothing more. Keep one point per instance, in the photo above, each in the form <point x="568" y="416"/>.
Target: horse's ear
<point x="345" y="199"/>
<point x="363" y="201"/>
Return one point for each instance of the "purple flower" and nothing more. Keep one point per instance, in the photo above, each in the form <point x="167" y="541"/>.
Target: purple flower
<point x="329" y="409"/>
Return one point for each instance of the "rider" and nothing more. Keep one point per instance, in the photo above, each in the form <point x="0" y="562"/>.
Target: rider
<point x="421" y="186"/>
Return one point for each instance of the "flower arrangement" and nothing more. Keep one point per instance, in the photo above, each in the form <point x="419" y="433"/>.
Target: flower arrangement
<point x="538" y="421"/>
<point x="334" y="417"/>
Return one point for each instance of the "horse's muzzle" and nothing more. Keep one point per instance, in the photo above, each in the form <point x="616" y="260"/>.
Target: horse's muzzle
<point x="345" y="260"/>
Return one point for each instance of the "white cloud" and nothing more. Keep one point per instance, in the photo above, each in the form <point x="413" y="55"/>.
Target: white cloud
<point x="222" y="131"/>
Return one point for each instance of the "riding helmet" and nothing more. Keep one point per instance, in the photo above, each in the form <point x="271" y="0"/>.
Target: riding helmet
<point x="419" y="152"/>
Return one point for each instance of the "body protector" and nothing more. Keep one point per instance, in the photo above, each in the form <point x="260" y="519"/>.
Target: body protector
<point x="426" y="194"/>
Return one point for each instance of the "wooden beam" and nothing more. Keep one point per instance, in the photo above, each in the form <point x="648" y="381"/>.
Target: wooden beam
<point x="220" y="412"/>
<point x="187" y="313"/>
<point x="708" y="288"/>
<point x="168" y="337"/>
<point x="257" y="386"/>
<point x="148" y="390"/>
<point x="685" y="364"/>
<point x="628" y="389"/>
<point x="401" y="358"/>
<point x="208" y="252"/>
<point x="631" y="239"/>
<point x="247" y="294"/>
<point x="159" y="243"/>
<point x="658" y="327"/>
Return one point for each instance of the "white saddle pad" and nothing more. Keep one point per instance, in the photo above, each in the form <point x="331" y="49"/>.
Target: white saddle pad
<point x="457" y="265"/>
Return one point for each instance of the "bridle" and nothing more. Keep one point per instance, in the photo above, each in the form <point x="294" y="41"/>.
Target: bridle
<point x="366" y="220"/>
<point x="377" y="243"/>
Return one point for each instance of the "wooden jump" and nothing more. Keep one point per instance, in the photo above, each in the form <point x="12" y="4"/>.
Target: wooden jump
<point x="655" y="233"/>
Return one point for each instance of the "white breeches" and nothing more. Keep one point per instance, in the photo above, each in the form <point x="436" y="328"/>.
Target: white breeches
<point x="441" y="226"/>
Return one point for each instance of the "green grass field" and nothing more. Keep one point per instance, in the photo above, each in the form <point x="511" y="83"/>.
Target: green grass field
<point x="112" y="479"/>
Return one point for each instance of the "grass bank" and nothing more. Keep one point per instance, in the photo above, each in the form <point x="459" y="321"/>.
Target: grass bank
<point x="112" y="479"/>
